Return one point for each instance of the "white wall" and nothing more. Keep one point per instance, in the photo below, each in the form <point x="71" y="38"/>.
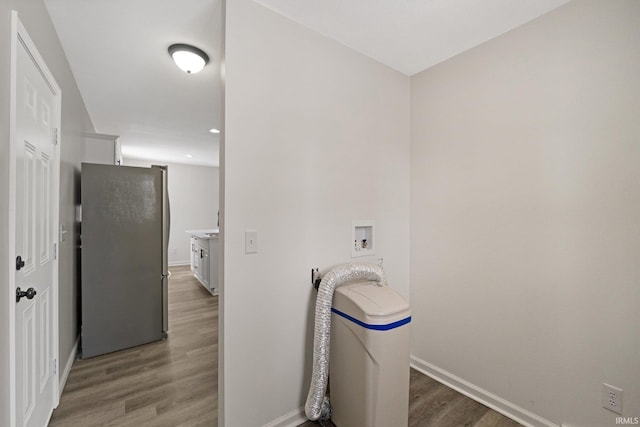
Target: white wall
<point x="316" y="136"/>
<point x="75" y="121"/>
<point x="193" y="194"/>
<point x="525" y="213"/>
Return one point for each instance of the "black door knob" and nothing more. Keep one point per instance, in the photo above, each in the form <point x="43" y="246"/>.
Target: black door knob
<point x="19" y="263"/>
<point x="29" y="293"/>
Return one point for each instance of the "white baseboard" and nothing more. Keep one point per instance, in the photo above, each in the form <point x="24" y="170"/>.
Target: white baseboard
<point x="478" y="394"/>
<point x="67" y="366"/>
<point x="179" y="263"/>
<point x="292" y="419"/>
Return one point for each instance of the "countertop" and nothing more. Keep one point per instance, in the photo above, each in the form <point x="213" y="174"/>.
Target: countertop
<point x="207" y="233"/>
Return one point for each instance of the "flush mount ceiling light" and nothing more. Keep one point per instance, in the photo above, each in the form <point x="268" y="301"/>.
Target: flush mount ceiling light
<point x="214" y="130"/>
<point x="188" y="58"/>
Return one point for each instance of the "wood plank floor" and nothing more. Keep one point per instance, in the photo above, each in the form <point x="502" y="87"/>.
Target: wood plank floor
<point x="167" y="383"/>
<point x="432" y="404"/>
<point x="175" y="382"/>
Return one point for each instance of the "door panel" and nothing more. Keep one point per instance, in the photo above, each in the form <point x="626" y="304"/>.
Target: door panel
<point x="45" y="208"/>
<point x="28" y="333"/>
<point x="44" y="333"/>
<point x="28" y="190"/>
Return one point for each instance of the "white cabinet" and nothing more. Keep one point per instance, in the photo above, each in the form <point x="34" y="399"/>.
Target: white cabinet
<point x="200" y="259"/>
<point x="204" y="260"/>
<point x="213" y="263"/>
<point x="193" y="256"/>
<point x="102" y="149"/>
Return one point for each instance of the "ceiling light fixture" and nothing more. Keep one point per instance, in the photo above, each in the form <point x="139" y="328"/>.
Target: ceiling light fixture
<point x="188" y="155"/>
<point x="188" y="58"/>
<point x="214" y="130"/>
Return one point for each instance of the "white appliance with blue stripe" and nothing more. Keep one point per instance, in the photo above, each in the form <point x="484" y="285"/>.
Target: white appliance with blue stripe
<point x="369" y="361"/>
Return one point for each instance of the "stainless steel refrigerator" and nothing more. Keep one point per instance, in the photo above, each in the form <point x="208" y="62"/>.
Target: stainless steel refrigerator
<point x="124" y="245"/>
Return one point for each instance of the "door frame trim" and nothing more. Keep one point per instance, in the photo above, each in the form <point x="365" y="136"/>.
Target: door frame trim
<point x="19" y="35"/>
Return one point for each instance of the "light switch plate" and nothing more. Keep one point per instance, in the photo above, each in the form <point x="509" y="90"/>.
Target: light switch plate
<point x="250" y="242"/>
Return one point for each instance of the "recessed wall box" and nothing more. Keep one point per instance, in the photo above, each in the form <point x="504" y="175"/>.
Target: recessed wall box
<point x="363" y="238"/>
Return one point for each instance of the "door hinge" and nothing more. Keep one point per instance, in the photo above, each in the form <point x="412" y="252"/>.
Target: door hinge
<point x="55" y="136"/>
<point x="55" y="251"/>
<point x="55" y="366"/>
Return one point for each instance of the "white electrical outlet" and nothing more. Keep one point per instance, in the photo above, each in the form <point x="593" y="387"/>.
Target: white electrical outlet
<point x="612" y="398"/>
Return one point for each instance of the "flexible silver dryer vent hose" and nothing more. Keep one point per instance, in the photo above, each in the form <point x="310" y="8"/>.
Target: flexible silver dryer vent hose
<point x="322" y="330"/>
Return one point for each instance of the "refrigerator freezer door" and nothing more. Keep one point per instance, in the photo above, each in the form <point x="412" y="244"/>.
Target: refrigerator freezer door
<point x="165" y="305"/>
<point x="122" y="229"/>
<point x="166" y="227"/>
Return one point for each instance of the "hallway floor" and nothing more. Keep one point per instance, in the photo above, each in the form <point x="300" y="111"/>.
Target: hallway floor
<point x="167" y="383"/>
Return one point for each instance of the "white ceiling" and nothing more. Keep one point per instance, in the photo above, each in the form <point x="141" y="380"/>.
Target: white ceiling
<point x="411" y="35"/>
<point x="117" y="50"/>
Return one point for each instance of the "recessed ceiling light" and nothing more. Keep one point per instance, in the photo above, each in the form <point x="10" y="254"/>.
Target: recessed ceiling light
<point x="214" y="130"/>
<point x="188" y="58"/>
<point x="188" y="155"/>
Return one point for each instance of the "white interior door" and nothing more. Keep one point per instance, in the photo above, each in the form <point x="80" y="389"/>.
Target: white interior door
<point x="36" y="110"/>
